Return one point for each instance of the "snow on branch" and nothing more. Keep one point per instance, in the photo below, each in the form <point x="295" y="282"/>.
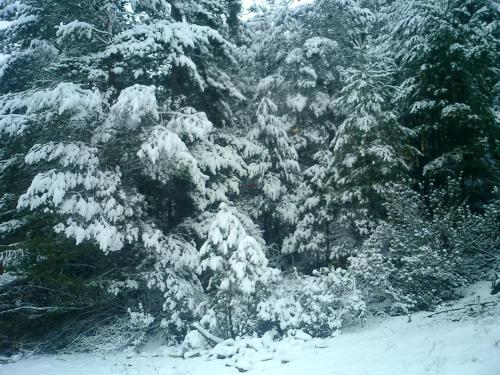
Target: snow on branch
<point x="206" y="334"/>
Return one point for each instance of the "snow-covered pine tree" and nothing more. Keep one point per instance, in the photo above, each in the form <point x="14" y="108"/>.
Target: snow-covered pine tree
<point x="54" y="176"/>
<point x="299" y="75"/>
<point x="220" y="15"/>
<point x="122" y="128"/>
<point x="294" y="81"/>
<point x="317" y="239"/>
<point x="238" y="273"/>
<point x="275" y="170"/>
<point x="302" y="79"/>
<point x="448" y="53"/>
<point x="106" y="125"/>
<point x="369" y="149"/>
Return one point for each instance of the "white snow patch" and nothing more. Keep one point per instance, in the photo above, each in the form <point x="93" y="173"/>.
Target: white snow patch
<point x="5" y="24"/>
<point x="448" y="343"/>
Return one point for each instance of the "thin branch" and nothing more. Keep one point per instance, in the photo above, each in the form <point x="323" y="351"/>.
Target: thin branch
<point x="46" y="309"/>
<point x="483" y="304"/>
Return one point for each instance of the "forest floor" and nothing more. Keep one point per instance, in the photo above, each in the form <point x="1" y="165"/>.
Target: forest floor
<point x="460" y="338"/>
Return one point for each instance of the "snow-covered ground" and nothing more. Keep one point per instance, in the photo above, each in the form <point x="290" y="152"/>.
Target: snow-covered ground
<point x="465" y="341"/>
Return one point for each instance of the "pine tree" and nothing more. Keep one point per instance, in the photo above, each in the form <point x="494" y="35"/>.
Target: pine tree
<point x="302" y="78"/>
<point x="104" y="145"/>
<point x="369" y="147"/>
<point x="43" y="115"/>
<point x="239" y="274"/>
<point x="317" y="239"/>
<point x="276" y="169"/>
<point x="295" y="80"/>
<point x="448" y="51"/>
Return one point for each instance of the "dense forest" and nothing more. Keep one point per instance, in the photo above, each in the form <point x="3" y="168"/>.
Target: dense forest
<point x="170" y="164"/>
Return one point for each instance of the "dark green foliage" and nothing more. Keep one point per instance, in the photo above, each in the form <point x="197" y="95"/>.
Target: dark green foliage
<point x="448" y="52"/>
<point x="58" y="290"/>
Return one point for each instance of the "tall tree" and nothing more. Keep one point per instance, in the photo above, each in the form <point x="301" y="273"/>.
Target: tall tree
<point x="369" y="148"/>
<point x="448" y="51"/>
<point x="105" y="141"/>
<point x="276" y="169"/>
